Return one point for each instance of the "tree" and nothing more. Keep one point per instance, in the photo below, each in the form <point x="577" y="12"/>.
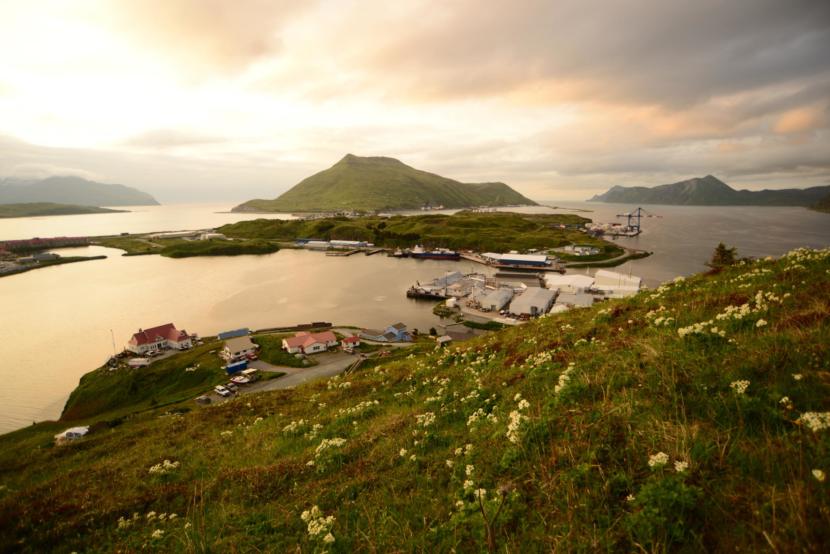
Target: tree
<point x="432" y="331"/>
<point x="723" y="257"/>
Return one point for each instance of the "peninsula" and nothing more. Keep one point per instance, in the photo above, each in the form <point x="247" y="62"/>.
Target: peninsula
<point x="372" y="184"/>
<point x="32" y="209"/>
<point x="711" y="191"/>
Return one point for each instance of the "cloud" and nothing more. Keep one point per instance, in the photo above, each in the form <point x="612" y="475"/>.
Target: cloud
<point x="206" y="35"/>
<point x="171" y="138"/>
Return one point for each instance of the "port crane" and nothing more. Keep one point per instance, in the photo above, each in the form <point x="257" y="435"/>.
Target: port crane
<point x="634" y="219"/>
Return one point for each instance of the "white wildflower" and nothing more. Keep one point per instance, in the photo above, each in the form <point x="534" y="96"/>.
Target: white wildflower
<point x="680" y="466"/>
<point x="658" y="460"/>
<point x="819" y="475"/>
<point x="157" y="534"/>
<point x="761" y="323"/>
<point x="739" y="386"/>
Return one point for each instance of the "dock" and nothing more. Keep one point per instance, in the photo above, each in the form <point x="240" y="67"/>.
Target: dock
<point x="341" y="252"/>
<point x="374" y="251"/>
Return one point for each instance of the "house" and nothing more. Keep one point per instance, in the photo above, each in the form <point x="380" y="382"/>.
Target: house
<point x="71" y="434"/>
<point x="393" y="333"/>
<point x="309" y="343"/>
<point x="351" y="342"/>
<point x="159" y="338"/>
<point x="533" y="302"/>
<point x="238" y="347"/>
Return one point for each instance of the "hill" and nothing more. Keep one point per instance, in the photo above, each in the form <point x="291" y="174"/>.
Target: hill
<point x="378" y="183"/>
<point x="494" y="231"/>
<point x="693" y="418"/>
<point x="71" y="190"/>
<point x="823" y="205"/>
<point x="710" y="191"/>
<point x="50" y="208"/>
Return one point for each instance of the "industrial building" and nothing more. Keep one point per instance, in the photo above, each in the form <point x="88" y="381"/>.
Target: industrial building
<point x="539" y="260"/>
<point x="533" y="302"/>
<point x="569" y="283"/>
<point x="496" y="300"/>
<point x="616" y="285"/>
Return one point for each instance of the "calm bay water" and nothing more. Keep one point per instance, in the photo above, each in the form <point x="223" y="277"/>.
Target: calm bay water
<point x="56" y="322"/>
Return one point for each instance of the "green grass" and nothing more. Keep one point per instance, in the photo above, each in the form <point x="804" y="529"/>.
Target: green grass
<point x="576" y="477"/>
<point x="163" y="382"/>
<point x="377" y="183"/>
<point x="488" y="326"/>
<point x="270" y="350"/>
<point x="498" y="232"/>
<point x="31" y="209"/>
<point x="180" y="248"/>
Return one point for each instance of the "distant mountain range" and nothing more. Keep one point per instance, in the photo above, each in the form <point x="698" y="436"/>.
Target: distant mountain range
<point x="32" y="209"/>
<point x="711" y="191"/>
<point x="71" y="190"/>
<point x="378" y="183"/>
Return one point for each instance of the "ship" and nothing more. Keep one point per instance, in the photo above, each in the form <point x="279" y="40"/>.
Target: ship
<point x="436" y="254"/>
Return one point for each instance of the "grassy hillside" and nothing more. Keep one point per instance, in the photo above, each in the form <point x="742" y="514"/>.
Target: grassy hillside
<point x="377" y="183"/>
<point x="32" y="209"/>
<point x="695" y="417"/>
<point x="498" y="231"/>
<point x="163" y="382"/>
<point x="180" y="248"/>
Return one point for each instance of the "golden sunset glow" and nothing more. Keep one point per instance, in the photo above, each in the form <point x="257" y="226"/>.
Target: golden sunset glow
<point x="559" y="99"/>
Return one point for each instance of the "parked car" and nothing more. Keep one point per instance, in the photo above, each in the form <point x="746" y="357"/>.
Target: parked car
<point x="203" y="399"/>
<point x="222" y="391"/>
<point x="252" y="356"/>
<point x="240" y="380"/>
<point x="231" y="386"/>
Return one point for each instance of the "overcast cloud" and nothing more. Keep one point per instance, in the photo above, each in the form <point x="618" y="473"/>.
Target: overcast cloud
<point x="219" y="100"/>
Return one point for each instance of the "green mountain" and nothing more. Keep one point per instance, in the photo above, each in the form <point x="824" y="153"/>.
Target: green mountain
<point x="710" y="191"/>
<point x="71" y="190"/>
<point x="690" y="418"/>
<point x="377" y="183"/>
<point x="49" y="208"/>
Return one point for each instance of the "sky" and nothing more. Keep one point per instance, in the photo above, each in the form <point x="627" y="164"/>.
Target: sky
<point x="218" y="100"/>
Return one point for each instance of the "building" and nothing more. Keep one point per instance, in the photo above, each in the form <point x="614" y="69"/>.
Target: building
<point x="211" y="235"/>
<point x="309" y="343"/>
<point x="73" y="433"/>
<point x="159" y="338"/>
<point x="533" y="302"/>
<point x="351" y="342"/>
<point x="511" y="259"/>
<point x="496" y="300"/>
<point x="569" y="283"/>
<point x="616" y="285"/>
<point x="393" y="333"/>
<point x="238" y="347"/>
<point x="225" y="335"/>
<point x="574" y="300"/>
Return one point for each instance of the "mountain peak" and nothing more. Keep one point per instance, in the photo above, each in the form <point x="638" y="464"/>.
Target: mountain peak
<point x="379" y="183"/>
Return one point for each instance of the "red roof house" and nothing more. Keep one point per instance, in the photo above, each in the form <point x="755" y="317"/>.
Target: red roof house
<point x="158" y="338"/>
<point x="309" y="343"/>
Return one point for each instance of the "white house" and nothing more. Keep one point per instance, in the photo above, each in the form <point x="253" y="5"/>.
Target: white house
<point x="238" y="347"/>
<point x="159" y="338"/>
<point x="310" y="343"/>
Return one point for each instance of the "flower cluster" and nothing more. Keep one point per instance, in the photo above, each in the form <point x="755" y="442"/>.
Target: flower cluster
<point x="326" y="444"/>
<point x="516" y="419"/>
<point x="564" y="378"/>
<point x="164" y="467"/>
<point x="426" y="419"/>
<point x="658" y="460"/>
<point x="358" y="408"/>
<point x="481" y="415"/>
<point x="294" y="427"/>
<point x="739" y="386"/>
<point x="815" y="421"/>
<point x="318" y="525"/>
